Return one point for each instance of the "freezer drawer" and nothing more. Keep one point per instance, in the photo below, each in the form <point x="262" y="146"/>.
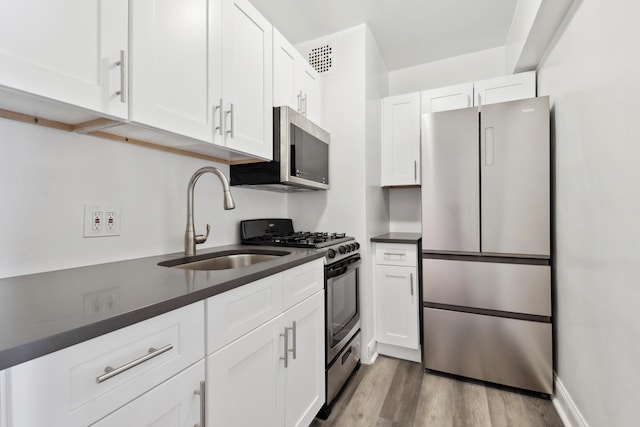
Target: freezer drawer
<point x="511" y="352"/>
<point x="515" y="288"/>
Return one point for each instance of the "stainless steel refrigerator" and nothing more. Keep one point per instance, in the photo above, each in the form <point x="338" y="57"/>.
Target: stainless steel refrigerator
<point x="486" y="243"/>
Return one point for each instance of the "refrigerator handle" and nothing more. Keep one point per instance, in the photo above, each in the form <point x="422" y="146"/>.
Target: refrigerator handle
<point x="488" y="146"/>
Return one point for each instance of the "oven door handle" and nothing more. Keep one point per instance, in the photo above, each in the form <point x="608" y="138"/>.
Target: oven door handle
<point x="339" y="271"/>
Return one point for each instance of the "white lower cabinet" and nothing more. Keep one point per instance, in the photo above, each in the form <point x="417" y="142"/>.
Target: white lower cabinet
<point x="79" y="385"/>
<point x="397" y="300"/>
<point x="264" y="365"/>
<point x="397" y="306"/>
<point x="272" y="376"/>
<point x="175" y="403"/>
<point x="304" y="375"/>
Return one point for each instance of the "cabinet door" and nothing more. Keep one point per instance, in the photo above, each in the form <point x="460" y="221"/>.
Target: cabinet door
<point x="397" y="306"/>
<point x="285" y="91"/>
<point x="247" y="79"/>
<point x="245" y="380"/>
<point x="65" y="50"/>
<point x="305" y="384"/>
<point x="310" y="87"/>
<point x="169" y="85"/>
<point x="172" y="404"/>
<point x="401" y="140"/>
<point x="447" y="98"/>
<point x="505" y="88"/>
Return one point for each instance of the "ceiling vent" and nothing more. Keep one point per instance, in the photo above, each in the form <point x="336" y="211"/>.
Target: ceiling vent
<point x="321" y="58"/>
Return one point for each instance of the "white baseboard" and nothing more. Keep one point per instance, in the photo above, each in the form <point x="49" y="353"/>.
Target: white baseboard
<point x="400" y="352"/>
<point x="370" y="354"/>
<point x="566" y="408"/>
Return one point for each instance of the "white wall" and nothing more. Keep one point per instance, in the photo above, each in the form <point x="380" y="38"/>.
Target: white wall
<point x="341" y="209"/>
<point x="354" y="204"/>
<point x="480" y="65"/>
<point x="376" y="211"/>
<point x="591" y="75"/>
<point x="47" y="175"/>
<point x="405" y="210"/>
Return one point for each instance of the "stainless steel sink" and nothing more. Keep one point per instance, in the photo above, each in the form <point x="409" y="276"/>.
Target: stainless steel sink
<point x="224" y="260"/>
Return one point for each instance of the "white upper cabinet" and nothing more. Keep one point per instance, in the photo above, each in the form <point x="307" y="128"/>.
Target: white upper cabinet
<point x="244" y="121"/>
<point x="295" y="82"/>
<point x="401" y="140"/>
<point x="505" y="88"/>
<point x="447" y="98"/>
<point x="170" y="85"/>
<point x="66" y="50"/>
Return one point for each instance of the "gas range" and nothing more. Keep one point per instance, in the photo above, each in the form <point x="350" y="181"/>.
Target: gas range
<point x="279" y="232"/>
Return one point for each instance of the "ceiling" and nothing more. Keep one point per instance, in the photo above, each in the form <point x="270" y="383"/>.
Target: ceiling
<point x="408" y="32"/>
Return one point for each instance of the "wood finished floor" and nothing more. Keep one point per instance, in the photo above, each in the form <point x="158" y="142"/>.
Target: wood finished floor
<point x="397" y="393"/>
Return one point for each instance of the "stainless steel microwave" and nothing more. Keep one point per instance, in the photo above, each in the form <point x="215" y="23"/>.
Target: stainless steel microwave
<point x="300" y="157"/>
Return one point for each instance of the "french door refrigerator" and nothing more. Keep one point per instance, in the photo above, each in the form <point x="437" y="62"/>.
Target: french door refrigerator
<point x="486" y="237"/>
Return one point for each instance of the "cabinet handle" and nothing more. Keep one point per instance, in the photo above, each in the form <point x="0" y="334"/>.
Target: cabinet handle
<point x="304" y="103"/>
<point x="295" y="341"/>
<point x="488" y="147"/>
<point x="479" y="101"/>
<point x="415" y="170"/>
<point x="299" y="96"/>
<point x="219" y="109"/>
<point x="394" y="254"/>
<point x="123" y="77"/>
<point x="411" y="281"/>
<point x="202" y="392"/>
<point x="111" y="372"/>
<point x="286" y="347"/>
<point x="469" y="101"/>
<point x="231" y="130"/>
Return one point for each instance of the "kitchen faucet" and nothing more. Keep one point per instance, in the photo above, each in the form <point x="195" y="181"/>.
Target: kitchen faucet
<point x="190" y="237"/>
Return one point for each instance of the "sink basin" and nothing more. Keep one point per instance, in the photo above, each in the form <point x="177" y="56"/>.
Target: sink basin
<point x="224" y="260"/>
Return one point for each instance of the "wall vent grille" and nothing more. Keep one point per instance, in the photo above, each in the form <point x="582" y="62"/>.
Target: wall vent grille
<point x="321" y="58"/>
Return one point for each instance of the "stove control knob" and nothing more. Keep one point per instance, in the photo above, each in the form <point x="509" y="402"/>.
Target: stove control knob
<point x="357" y="245"/>
<point x="331" y="253"/>
<point x="353" y="246"/>
<point x="342" y="249"/>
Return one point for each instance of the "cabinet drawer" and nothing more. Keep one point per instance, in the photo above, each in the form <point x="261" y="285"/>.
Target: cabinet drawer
<point x="402" y="254"/>
<point x="64" y="385"/>
<point x="238" y="311"/>
<point x="506" y="351"/>
<point x="516" y="288"/>
<point x="173" y="403"/>
<point x="303" y="281"/>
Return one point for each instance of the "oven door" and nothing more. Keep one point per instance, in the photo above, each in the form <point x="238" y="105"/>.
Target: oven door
<point x="343" y="306"/>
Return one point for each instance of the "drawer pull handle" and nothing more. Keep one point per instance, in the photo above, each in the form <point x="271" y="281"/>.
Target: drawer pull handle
<point x="110" y="372"/>
<point x="392" y="254"/>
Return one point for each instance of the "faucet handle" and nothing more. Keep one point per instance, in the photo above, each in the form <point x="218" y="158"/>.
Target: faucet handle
<point x="200" y="238"/>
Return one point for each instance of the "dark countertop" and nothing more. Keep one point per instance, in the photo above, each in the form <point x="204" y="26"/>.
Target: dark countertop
<point x="397" y="237"/>
<point x="45" y="312"/>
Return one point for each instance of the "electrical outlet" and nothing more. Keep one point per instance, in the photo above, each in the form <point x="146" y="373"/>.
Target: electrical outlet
<point x="110" y="220"/>
<point x="96" y="220"/>
<point x="101" y="220"/>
